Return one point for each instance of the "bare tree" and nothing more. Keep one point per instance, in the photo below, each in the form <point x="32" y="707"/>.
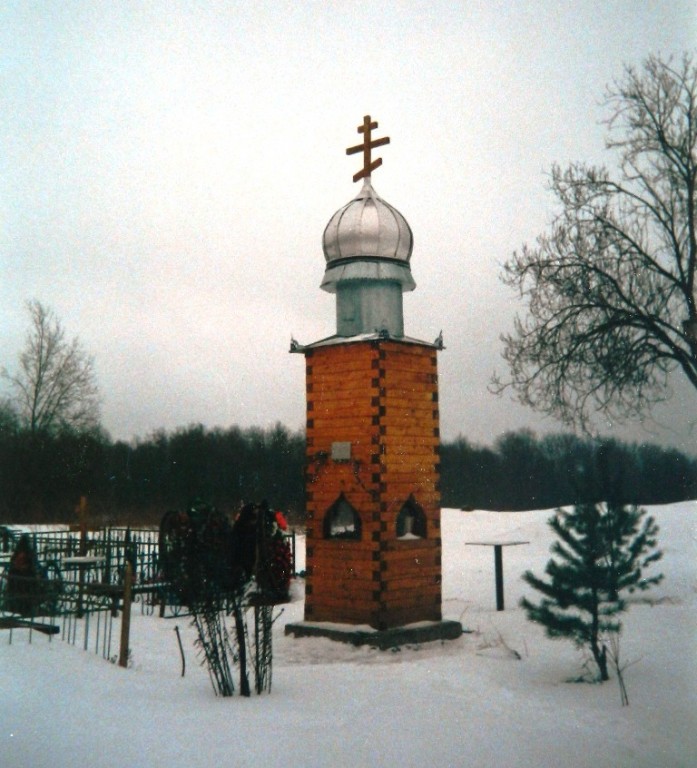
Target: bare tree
<point x="610" y="288"/>
<point x="55" y="387"/>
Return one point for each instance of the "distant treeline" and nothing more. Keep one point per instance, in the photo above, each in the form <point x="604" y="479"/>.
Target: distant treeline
<point x="522" y="471"/>
<point x="42" y="477"/>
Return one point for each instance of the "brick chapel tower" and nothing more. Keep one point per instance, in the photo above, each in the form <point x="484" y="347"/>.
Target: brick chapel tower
<point x="372" y="477"/>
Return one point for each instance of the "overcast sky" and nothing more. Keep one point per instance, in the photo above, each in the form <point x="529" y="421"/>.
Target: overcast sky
<point x="167" y="170"/>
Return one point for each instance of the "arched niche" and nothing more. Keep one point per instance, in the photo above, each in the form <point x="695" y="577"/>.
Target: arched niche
<point x="342" y="521"/>
<point x="411" y="520"/>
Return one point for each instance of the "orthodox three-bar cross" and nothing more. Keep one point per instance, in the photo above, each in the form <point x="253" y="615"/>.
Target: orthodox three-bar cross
<point x="368" y="144"/>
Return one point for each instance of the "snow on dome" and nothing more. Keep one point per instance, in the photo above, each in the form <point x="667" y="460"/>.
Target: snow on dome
<point x="367" y="227"/>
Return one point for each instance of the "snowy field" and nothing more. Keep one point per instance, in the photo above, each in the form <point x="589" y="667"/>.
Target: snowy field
<point x="500" y="696"/>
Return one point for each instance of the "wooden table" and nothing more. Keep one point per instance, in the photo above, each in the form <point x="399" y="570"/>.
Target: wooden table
<point x="498" y="563"/>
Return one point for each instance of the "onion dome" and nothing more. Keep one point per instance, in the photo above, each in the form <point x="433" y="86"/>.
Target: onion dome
<point x="367" y="239"/>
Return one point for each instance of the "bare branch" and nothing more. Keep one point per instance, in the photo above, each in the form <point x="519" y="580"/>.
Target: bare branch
<point x="610" y="288"/>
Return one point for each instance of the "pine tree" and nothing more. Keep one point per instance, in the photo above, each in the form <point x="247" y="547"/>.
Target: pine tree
<point x="601" y="555"/>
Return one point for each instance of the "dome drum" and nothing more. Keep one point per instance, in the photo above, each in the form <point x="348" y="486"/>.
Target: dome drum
<point x="368" y="307"/>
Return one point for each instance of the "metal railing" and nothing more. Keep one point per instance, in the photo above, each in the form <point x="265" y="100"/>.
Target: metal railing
<point x="77" y="589"/>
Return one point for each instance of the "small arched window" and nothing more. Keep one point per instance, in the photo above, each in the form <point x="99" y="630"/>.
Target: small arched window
<point x="342" y="521"/>
<point x="411" y="520"/>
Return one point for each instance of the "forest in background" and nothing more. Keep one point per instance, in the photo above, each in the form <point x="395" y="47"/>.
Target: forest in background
<point x="522" y="471"/>
<point x="43" y="476"/>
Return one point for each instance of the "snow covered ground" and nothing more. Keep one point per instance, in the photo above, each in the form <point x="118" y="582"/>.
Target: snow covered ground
<point x="499" y="696"/>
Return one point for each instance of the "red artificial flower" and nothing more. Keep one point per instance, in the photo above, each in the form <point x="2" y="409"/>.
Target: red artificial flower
<point x="281" y="521"/>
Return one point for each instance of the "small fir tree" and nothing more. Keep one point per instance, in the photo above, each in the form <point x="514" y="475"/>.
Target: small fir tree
<point x="601" y="555"/>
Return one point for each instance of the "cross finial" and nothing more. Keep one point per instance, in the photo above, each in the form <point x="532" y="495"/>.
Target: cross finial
<point x="368" y="165"/>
